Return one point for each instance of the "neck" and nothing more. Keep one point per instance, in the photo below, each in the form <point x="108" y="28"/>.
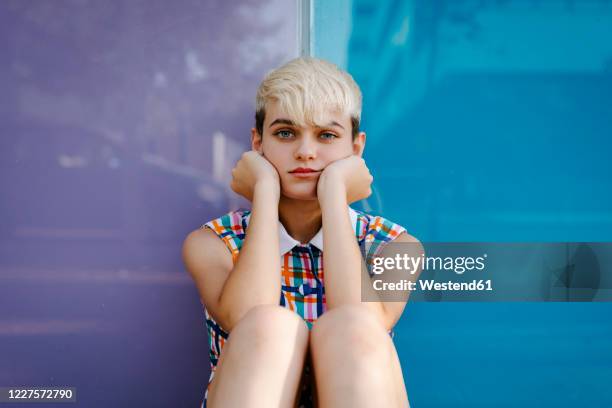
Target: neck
<point x="301" y="218"/>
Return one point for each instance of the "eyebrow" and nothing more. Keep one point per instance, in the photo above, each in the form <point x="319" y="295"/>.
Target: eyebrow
<point x="334" y="123"/>
<point x="292" y="123"/>
<point x="282" y="121"/>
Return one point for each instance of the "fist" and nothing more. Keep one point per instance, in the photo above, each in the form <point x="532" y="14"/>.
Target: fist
<point x="351" y="175"/>
<point x="251" y="170"/>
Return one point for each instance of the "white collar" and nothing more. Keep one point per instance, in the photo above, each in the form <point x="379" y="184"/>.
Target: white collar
<point x="287" y="242"/>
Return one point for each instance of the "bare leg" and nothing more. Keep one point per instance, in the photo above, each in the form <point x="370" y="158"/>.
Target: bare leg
<point x="355" y="361"/>
<point x="261" y="363"/>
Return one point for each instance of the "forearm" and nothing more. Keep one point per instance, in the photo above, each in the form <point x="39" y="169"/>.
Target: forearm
<point x="255" y="278"/>
<point x="343" y="264"/>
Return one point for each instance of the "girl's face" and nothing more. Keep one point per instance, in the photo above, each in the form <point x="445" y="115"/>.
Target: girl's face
<point x="300" y="154"/>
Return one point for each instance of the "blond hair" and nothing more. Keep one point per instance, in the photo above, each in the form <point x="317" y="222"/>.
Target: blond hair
<point x="306" y="87"/>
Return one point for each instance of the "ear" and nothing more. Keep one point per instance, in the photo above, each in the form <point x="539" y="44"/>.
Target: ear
<point x="256" y="140"/>
<point x="359" y="144"/>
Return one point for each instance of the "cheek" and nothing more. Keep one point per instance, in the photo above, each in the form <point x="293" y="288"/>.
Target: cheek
<point x="331" y="155"/>
<point x="275" y="155"/>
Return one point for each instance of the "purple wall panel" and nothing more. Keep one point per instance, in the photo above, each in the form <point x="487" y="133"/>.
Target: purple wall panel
<point x="119" y="124"/>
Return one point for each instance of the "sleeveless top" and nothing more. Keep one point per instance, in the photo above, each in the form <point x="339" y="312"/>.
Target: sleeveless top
<point x="302" y="277"/>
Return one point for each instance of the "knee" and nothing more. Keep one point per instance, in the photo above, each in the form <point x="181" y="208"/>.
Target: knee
<point x="267" y="326"/>
<point x="350" y="329"/>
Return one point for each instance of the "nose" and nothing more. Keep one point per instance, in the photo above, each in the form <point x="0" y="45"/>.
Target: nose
<point x="305" y="150"/>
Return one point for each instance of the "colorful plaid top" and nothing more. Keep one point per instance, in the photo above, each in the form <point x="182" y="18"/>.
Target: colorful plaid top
<point x="302" y="286"/>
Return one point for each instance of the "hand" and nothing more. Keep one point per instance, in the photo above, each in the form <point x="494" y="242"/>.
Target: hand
<point x="252" y="170"/>
<point x="350" y="175"/>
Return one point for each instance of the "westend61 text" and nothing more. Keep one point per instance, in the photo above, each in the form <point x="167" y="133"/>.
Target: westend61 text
<point x="429" y="284"/>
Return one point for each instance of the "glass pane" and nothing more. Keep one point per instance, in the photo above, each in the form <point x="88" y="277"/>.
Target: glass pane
<point x="498" y="113"/>
<point x="488" y="121"/>
<point x="120" y="123"/>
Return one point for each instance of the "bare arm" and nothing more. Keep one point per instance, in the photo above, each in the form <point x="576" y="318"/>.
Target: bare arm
<point x="345" y="270"/>
<point x="230" y="291"/>
<point x="255" y="279"/>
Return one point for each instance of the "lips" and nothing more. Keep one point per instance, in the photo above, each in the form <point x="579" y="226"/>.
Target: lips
<point x="305" y="173"/>
<point x="303" y="170"/>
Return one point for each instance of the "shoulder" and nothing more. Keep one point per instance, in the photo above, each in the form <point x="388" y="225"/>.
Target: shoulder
<point x="377" y="228"/>
<point x="217" y="237"/>
<point x="233" y="223"/>
<point x="375" y="232"/>
<point x="199" y="240"/>
<point x="202" y="250"/>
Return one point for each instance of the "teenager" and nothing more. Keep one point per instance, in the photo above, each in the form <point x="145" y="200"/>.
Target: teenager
<point x="301" y="242"/>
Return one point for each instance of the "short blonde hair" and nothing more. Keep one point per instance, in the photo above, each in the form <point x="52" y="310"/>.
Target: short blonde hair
<point x="305" y="87"/>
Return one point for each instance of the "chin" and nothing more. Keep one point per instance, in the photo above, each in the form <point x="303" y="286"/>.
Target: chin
<point x="306" y="191"/>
